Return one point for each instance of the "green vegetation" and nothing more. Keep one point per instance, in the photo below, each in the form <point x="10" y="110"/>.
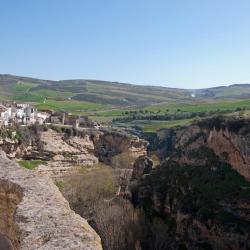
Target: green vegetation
<point x="107" y="101"/>
<point x="31" y="164"/>
<point x="60" y="184"/>
<point x="168" y="108"/>
<point x="69" y="106"/>
<point x="153" y="126"/>
<point x="152" y="117"/>
<point x="201" y="107"/>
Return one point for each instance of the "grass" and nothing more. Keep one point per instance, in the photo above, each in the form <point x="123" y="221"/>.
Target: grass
<point x="200" y="107"/>
<point x="22" y="87"/>
<point x="21" y="92"/>
<point x="52" y="94"/>
<point x="32" y="164"/>
<point x="153" y="126"/>
<point x="70" y="106"/>
<point x="60" y="185"/>
<point x="108" y="115"/>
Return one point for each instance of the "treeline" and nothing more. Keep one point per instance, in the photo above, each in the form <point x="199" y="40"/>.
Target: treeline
<point x="178" y="115"/>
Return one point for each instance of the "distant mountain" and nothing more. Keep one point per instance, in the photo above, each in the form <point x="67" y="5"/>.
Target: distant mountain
<point x="110" y="93"/>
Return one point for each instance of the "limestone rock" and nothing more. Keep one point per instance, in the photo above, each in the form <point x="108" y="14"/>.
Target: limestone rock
<point x="36" y="214"/>
<point x="143" y="165"/>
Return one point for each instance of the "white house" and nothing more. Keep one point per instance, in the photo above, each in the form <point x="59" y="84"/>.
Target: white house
<point x="5" y="115"/>
<point x="41" y="117"/>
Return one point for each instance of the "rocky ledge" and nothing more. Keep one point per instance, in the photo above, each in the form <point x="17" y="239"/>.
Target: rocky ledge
<point x="34" y="214"/>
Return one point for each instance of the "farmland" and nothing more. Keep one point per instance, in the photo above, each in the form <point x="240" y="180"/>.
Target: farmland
<point x="173" y="108"/>
<point x="123" y="104"/>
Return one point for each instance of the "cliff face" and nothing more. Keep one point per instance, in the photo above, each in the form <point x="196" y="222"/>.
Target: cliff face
<point x="199" y="207"/>
<point x="112" y="143"/>
<point x="64" y="152"/>
<point x="34" y="214"/>
<point x="120" y="151"/>
<point x="230" y="140"/>
<point x="198" y="198"/>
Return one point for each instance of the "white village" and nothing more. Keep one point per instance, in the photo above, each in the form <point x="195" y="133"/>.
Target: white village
<point x="24" y="114"/>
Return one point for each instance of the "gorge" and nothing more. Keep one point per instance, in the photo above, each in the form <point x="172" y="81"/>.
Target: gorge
<point x="194" y="196"/>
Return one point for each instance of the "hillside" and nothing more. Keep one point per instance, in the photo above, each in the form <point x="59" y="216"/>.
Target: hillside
<point x="104" y="101"/>
<point x="235" y="91"/>
<point x="101" y="92"/>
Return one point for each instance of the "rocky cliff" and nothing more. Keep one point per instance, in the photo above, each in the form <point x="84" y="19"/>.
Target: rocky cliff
<point x="65" y="153"/>
<point x="34" y="214"/>
<point x="112" y="144"/>
<point x="198" y="198"/>
<point x="61" y="153"/>
<point x="65" y="150"/>
<point x="228" y="138"/>
<point x="120" y="151"/>
<point x="195" y="207"/>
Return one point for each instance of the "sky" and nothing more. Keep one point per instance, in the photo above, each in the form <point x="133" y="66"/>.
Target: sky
<point x="177" y="43"/>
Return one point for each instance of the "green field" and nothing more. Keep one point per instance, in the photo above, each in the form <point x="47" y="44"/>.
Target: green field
<point x="201" y="107"/>
<point x="107" y="116"/>
<point x="70" y="106"/>
<point x="153" y="126"/>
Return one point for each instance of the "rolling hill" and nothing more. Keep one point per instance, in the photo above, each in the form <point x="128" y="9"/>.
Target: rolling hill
<point x="85" y="95"/>
<point x="102" y="92"/>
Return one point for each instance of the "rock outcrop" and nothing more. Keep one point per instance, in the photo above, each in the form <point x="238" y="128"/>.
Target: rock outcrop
<point x="34" y="214"/>
<point x="129" y="177"/>
<point x="65" y="154"/>
<point x="228" y="138"/>
<point x="143" y="165"/>
<point x="110" y="145"/>
<point x="120" y="151"/>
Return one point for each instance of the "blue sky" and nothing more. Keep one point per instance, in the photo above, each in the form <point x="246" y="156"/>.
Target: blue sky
<point x="177" y="43"/>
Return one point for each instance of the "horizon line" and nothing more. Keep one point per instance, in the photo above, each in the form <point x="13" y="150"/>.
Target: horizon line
<point x="120" y="82"/>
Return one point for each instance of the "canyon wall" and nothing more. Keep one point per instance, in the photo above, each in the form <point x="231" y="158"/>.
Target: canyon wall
<point x="64" y="152"/>
<point x="110" y="144"/>
<point x="229" y="139"/>
<point x="198" y="197"/>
